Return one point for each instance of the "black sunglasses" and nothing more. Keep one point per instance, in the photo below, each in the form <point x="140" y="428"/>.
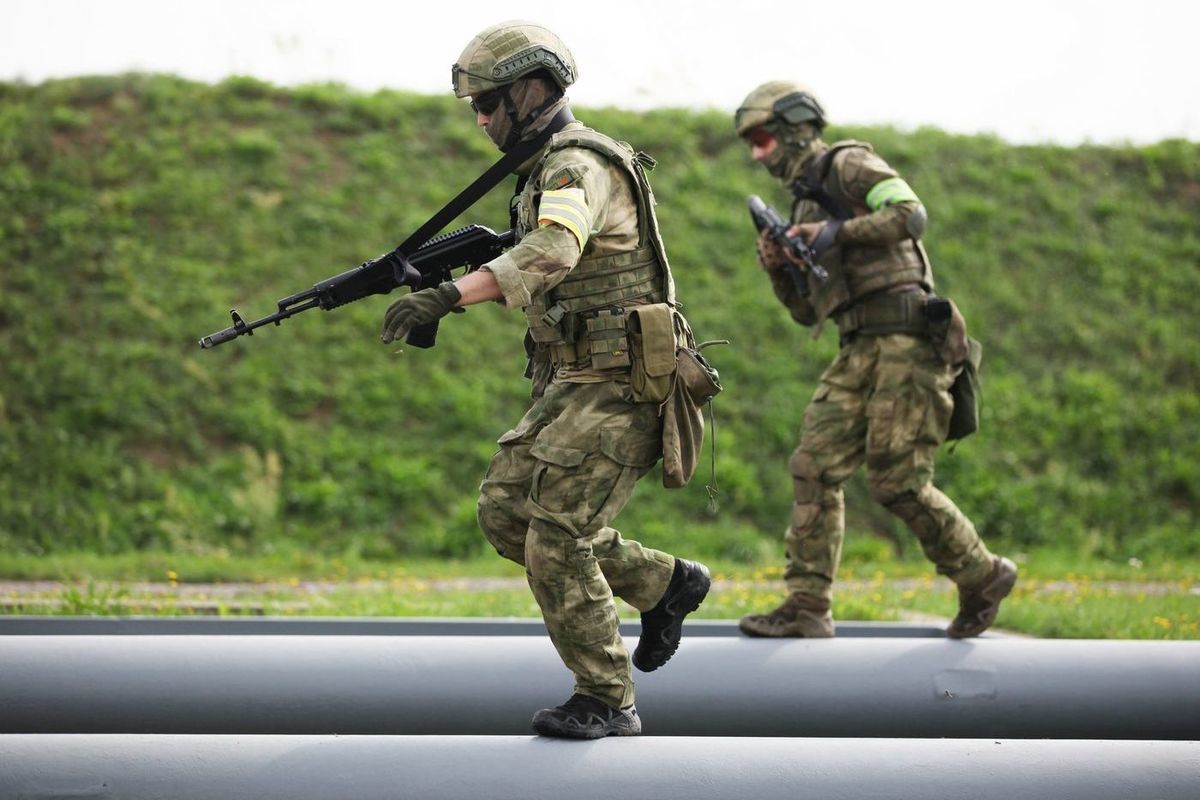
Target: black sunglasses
<point x="488" y="102"/>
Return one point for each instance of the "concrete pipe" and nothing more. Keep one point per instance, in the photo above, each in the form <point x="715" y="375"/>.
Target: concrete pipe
<point x="146" y="767"/>
<point x="715" y="686"/>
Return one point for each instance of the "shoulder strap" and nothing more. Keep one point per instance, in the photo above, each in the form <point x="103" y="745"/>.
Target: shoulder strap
<point x="481" y="185"/>
<point x="812" y="185"/>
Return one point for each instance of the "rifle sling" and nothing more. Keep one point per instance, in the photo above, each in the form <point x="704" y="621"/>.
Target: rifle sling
<point x="812" y="187"/>
<point x="511" y="160"/>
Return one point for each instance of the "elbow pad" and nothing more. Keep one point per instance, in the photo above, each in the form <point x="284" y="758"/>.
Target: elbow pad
<point x="915" y="224"/>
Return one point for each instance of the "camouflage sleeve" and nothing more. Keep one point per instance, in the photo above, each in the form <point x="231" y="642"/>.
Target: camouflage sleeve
<point x="536" y="265"/>
<point x="893" y="210"/>
<point x="573" y="195"/>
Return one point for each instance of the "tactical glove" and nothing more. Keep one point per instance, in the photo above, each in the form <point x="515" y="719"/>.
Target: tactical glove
<point x="418" y="308"/>
<point x="770" y="254"/>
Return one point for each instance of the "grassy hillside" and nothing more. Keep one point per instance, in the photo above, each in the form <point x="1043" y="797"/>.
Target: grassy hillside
<point x="136" y="210"/>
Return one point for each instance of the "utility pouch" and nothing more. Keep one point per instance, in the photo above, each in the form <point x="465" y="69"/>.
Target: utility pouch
<point x="696" y="382"/>
<point x="966" y="391"/>
<point x="652" y="347"/>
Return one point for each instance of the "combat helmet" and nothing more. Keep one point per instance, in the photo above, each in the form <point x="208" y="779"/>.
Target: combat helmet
<point x="778" y="102"/>
<point x="508" y="51"/>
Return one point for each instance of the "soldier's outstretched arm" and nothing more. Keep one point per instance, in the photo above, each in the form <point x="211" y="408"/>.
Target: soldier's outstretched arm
<point x="478" y="287"/>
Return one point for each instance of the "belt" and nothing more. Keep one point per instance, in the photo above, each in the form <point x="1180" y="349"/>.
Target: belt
<point x="883" y="313"/>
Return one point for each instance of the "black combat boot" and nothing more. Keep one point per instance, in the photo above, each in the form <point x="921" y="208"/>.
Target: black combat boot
<point x="662" y="626"/>
<point x="584" y="717"/>
<point x="978" y="606"/>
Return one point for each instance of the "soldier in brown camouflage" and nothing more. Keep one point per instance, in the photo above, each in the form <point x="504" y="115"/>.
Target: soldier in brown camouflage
<point x="885" y="399"/>
<point x="589" y="260"/>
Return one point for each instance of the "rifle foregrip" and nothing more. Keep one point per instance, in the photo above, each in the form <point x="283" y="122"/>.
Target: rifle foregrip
<point x="423" y="336"/>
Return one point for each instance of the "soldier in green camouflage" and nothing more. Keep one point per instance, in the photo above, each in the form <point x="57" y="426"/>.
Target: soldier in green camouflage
<point x="885" y="399"/>
<point x="588" y="264"/>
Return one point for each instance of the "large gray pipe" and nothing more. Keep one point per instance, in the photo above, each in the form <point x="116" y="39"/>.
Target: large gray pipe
<point x="384" y="626"/>
<point x="715" y="686"/>
<point x="139" y="767"/>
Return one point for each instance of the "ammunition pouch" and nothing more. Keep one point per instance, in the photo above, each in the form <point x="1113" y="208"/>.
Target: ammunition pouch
<point x="652" y="347"/>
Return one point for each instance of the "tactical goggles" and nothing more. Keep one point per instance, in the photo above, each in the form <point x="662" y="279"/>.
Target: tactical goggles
<point x="798" y="107"/>
<point x="487" y="102"/>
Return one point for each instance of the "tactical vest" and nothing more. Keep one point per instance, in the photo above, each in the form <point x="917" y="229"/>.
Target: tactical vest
<point x="580" y="323"/>
<point x="856" y="271"/>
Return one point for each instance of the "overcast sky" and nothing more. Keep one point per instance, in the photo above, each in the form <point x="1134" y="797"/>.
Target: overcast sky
<point x="1048" y="70"/>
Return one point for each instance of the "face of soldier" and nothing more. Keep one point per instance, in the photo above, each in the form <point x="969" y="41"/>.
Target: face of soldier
<point x="491" y="115"/>
<point x="485" y="104"/>
<point x="762" y="144"/>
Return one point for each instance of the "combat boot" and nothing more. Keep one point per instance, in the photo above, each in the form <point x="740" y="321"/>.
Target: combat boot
<point x="584" y="717"/>
<point x="799" y="615"/>
<point x="978" y="606"/>
<point x="662" y="626"/>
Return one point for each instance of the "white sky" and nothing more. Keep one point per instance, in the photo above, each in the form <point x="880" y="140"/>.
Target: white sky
<point x="1051" y="70"/>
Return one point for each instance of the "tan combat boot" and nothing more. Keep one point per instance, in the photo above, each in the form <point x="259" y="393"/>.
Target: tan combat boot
<point x="799" y="615"/>
<point x="978" y="606"/>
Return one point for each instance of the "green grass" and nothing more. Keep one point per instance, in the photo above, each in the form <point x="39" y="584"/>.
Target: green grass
<point x="1090" y="600"/>
<point x="864" y="558"/>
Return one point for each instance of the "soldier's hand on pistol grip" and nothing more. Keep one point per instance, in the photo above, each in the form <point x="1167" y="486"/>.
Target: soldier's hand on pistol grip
<point x="807" y="231"/>
<point x="418" y="308"/>
<point x="770" y="254"/>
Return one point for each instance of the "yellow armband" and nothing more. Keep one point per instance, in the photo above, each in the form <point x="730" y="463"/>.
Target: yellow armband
<point x="567" y="207"/>
<point x="889" y="192"/>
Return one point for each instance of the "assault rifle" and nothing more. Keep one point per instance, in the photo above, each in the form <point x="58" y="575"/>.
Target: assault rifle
<point x="767" y="218"/>
<point x="428" y="266"/>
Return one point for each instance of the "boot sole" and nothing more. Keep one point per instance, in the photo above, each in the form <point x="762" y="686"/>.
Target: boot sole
<point x="553" y="731"/>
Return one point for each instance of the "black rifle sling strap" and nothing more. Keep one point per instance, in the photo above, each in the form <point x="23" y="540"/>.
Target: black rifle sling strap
<point x="812" y="186"/>
<point x="479" y="187"/>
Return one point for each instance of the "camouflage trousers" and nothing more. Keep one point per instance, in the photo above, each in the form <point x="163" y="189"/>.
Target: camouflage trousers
<point x="547" y="501"/>
<point x="884" y="400"/>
